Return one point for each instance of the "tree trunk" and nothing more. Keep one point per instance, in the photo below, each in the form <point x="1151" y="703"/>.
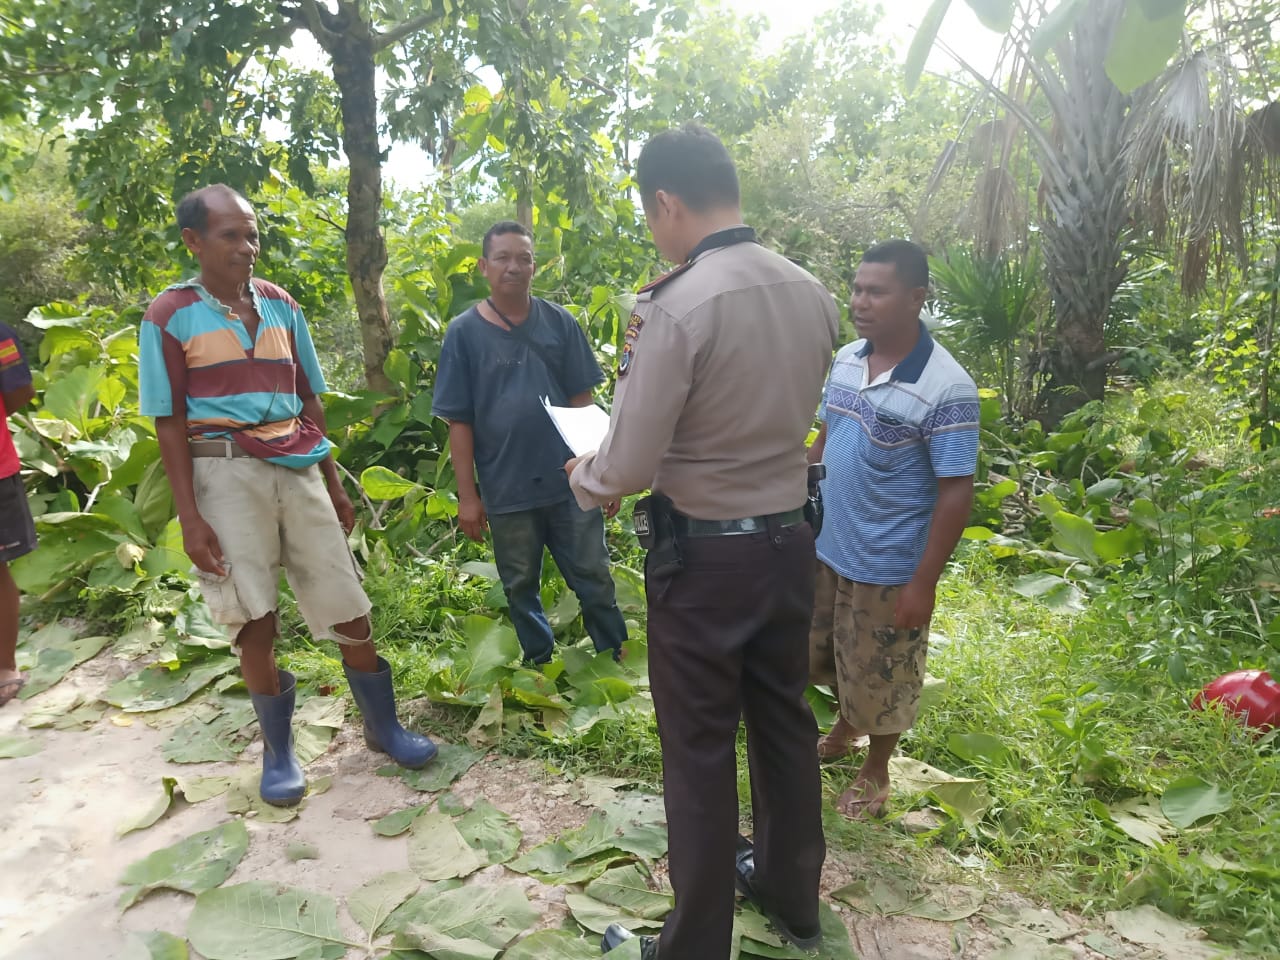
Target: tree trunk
<point x="1085" y="211"/>
<point x="351" y="49"/>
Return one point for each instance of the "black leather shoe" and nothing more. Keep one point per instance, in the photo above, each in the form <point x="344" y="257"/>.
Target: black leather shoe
<point x="615" y="935"/>
<point x="744" y="871"/>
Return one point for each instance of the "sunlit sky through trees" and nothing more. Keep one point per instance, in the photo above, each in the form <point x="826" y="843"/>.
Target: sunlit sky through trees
<point x="409" y="167"/>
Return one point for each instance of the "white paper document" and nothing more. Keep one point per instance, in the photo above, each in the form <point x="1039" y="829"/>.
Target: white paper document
<point x="582" y="428"/>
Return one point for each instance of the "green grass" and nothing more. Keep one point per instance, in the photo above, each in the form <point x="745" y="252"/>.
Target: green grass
<point x="1005" y="656"/>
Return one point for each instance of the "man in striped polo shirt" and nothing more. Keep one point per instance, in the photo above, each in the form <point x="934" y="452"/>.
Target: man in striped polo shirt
<point x="899" y="437"/>
<point x="228" y="369"/>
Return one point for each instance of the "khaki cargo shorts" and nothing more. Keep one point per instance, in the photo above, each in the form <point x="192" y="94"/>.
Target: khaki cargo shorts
<point x="267" y="517"/>
<point x="876" y="669"/>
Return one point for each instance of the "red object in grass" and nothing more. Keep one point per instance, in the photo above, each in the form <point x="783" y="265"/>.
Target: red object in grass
<point x="1250" y="694"/>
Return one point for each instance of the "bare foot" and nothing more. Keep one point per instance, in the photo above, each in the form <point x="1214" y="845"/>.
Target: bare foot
<point x="864" y="800"/>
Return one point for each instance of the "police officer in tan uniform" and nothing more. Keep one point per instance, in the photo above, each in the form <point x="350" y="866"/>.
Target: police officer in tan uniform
<point x="718" y="385"/>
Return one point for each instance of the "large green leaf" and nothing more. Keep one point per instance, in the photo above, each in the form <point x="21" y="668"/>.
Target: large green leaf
<point x="428" y="940"/>
<point x="198" y="863"/>
<point x="315" y="724"/>
<point x="490" y="832"/>
<point x="167" y="555"/>
<point x="152" y="812"/>
<point x="394" y="824"/>
<point x="1138" y="818"/>
<point x="977" y="747"/>
<point x="1142" y="46"/>
<point x="379" y="483"/>
<point x="243" y="796"/>
<point x="12" y="746"/>
<point x="261" y="921"/>
<point x="125" y="515"/>
<point x="490" y="915"/>
<point x="158" y="687"/>
<point x="964" y="797"/>
<point x="835" y="935"/>
<point x="487" y="729"/>
<point x="628" y="888"/>
<point x="64" y="709"/>
<point x="884" y="895"/>
<point x="153" y="501"/>
<point x="1120" y="544"/>
<point x="63" y="555"/>
<point x="922" y="42"/>
<point x="194" y="626"/>
<point x="143" y="636"/>
<point x="1190" y="799"/>
<point x="59" y="651"/>
<point x="636" y="824"/>
<point x="373" y="902"/>
<point x="437" y="850"/>
<point x="1151" y="926"/>
<point x="596" y="915"/>
<point x="199" y="789"/>
<point x="546" y="859"/>
<point x="1074" y="535"/>
<point x="1056" y="25"/>
<point x="201" y="739"/>
<point x="157" y="945"/>
<point x="491" y="646"/>
<point x="995" y="15"/>
<point x="70" y="395"/>
<point x="1051" y="590"/>
<point x="452" y="761"/>
<point x="554" y="945"/>
<point x="947" y="903"/>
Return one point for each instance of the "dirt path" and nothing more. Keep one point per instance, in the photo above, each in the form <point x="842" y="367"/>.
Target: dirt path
<point x="61" y="863"/>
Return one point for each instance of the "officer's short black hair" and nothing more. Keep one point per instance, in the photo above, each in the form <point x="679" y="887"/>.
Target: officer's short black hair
<point x="692" y="163"/>
<point x="909" y="260"/>
<point x="193" y="211"/>
<point x="498" y="229"/>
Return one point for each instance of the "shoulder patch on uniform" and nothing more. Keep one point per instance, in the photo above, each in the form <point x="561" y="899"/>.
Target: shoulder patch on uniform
<point x="629" y="343"/>
<point x="665" y="278"/>
<point x="9" y="354"/>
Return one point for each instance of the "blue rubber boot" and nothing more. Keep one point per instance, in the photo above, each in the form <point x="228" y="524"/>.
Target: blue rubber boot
<point x="283" y="783"/>
<point x="382" y="730"/>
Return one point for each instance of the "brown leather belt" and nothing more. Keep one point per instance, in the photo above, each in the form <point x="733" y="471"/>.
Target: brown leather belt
<point x="222" y="447"/>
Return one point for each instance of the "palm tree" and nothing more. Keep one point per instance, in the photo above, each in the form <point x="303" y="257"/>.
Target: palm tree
<point x="1174" y="156"/>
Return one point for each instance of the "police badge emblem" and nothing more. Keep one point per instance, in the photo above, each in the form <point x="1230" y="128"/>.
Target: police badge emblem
<point x="629" y="343"/>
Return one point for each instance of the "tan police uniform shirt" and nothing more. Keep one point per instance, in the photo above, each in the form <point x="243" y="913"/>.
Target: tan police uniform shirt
<point x="718" y="388"/>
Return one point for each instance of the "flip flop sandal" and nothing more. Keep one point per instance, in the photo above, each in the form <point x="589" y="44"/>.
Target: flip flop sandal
<point x="865" y="808"/>
<point x="11" y="688"/>
<point x="837" y="749"/>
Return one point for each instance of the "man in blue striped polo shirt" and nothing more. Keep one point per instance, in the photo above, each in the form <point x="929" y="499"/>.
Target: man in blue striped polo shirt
<point x="899" y="437"/>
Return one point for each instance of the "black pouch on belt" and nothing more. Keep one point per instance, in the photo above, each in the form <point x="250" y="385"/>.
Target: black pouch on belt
<point x="656" y="532"/>
<point x="813" y="505"/>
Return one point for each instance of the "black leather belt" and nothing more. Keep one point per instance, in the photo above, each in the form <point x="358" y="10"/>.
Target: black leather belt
<point x="223" y="447"/>
<point x="692" y="527"/>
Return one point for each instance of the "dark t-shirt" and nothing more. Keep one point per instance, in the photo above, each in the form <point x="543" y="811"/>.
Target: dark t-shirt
<point x="494" y="380"/>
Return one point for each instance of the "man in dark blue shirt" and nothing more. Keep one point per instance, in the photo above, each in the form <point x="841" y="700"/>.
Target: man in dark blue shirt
<point x="499" y="359"/>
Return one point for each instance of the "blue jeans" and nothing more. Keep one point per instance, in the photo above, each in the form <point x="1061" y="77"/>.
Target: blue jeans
<point x="576" y="540"/>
